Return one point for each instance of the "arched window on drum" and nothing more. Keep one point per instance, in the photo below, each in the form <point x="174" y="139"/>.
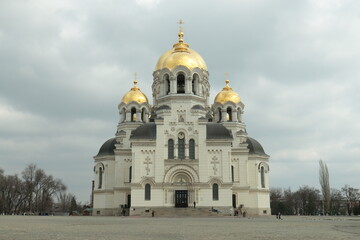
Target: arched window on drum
<point x="167" y="84"/>
<point x="181" y="83"/>
<point x="133" y="114"/>
<point x="229" y="114"/>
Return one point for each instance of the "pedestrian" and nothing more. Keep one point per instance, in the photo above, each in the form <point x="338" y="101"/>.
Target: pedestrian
<point x="152" y="213"/>
<point x="280" y="216"/>
<point x="194" y="204"/>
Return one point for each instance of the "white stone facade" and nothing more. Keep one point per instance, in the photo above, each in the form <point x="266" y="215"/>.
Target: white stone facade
<point x="181" y="150"/>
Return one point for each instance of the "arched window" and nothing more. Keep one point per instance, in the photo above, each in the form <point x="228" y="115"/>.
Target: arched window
<point x="143" y="115"/>
<point x="195" y="83"/>
<point x="193" y="86"/>
<point x="181" y="146"/>
<point x="130" y="173"/>
<point x="133" y="114"/>
<point x="232" y="173"/>
<point x="180" y="83"/>
<point x="167" y="84"/>
<point x="192" y="149"/>
<point x="171" y="149"/>
<point x="215" y="192"/>
<point x="229" y="114"/>
<point x="262" y="177"/>
<point x="100" y="177"/>
<point x="147" y="192"/>
<point x="219" y="115"/>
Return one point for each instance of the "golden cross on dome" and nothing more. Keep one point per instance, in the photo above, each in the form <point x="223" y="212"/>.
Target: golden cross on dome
<point x="135" y="79"/>
<point x="227" y="79"/>
<point x="180" y="22"/>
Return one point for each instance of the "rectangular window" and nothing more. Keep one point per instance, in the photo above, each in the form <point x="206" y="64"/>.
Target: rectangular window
<point x="171" y="149"/>
<point x="215" y="192"/>
<point x="147" y="192"/>
<point x="192" y="149"/>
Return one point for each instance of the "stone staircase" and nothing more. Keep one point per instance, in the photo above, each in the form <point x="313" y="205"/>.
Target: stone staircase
<point x="185" y="212"/>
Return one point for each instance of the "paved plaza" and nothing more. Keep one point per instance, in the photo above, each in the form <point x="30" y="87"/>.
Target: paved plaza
<point x="49" y="227"/>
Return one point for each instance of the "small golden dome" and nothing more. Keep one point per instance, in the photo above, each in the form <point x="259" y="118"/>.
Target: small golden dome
<point x="134" y="95"/>
<point x="227" y="95"/>
<point x="180" y="54"/>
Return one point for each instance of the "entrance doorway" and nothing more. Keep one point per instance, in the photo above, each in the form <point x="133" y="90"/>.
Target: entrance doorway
<point x="234" y="201"/>
<point x="181" y="198"/>
<point x="129" y="200"/>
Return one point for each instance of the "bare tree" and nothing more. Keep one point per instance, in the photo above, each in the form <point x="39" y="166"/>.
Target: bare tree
<point x="276" y="201"/>
<point x="335" y="203"/>
<point x="64" y="201"/>
<point x="352" y="195"/>
<point x="40" y="188"/>
<point x="325" y="186"/>
<point x="28" y="176"/>
<point x="12" y="193"/>
<point x="306" y="200"/>
<point x="2" y="198"/>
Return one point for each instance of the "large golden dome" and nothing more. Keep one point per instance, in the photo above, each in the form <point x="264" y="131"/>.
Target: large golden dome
<point x="134" y="95"/>
<point x="227" y="95"/>
<point x="180" y="54"/>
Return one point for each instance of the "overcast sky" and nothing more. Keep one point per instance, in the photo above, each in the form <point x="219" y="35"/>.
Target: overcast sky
<point x="65" y="65"/>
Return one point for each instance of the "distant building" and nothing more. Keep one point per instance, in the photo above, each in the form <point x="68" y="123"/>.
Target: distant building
<point x="181" y="149"/>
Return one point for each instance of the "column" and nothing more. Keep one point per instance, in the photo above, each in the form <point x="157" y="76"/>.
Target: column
<point x="146" y="117"/>
<point x="138" y="115"/>
<point x="175" y="150"/>
<point x="234" y="115"/>
<point x="173" y="85"/>
<point x="223" y="115"/>
<point x="128" y="116"/>
<point x="188" y="85"/>
<point x="199" y="88"/>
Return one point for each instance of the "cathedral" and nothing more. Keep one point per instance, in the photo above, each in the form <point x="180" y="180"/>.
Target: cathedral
<point x="183" y="150"/>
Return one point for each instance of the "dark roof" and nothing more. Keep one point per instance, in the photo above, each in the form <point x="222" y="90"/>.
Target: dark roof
<point x="107" y="148"/>
<point x="198" y="107"/>
<point x="163" y="107"/>
<point x="146" y="131"/>
<point x="217" y="131"/>
<point x="254" y="146"/>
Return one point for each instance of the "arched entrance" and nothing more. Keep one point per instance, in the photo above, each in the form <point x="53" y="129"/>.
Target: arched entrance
<point x="181" y="184"/>
<point x="181" y="179"/>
